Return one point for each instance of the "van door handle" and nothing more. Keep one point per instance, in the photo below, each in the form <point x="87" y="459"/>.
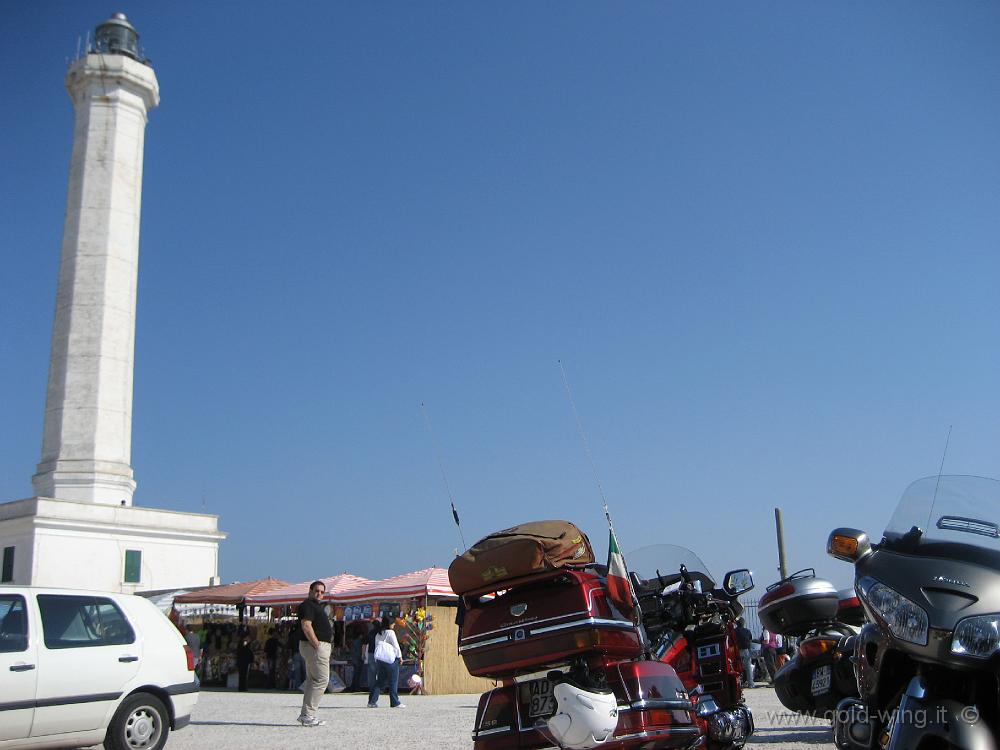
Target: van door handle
<point x="22" y="667"/>
<point x="128" y="658"/>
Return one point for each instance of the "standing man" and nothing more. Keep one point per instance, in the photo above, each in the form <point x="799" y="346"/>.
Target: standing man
<point x="315" y="650"/>
<point x="744" y="641"/>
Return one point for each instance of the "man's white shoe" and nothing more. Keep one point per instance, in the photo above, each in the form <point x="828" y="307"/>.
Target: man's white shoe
<point x="312" y="721"/>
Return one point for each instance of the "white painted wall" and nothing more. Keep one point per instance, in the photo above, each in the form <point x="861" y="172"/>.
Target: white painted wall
<point x="82" y="545"/>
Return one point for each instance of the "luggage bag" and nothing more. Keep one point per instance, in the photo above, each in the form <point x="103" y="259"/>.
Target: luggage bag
<point x="526" y="549"/>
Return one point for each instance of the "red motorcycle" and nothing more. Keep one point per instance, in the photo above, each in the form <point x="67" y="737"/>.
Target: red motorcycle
<point x="577" y="672"/>
<point x="692" y="627"/>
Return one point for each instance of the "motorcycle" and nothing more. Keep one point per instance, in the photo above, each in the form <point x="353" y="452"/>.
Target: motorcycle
<point x="578" y="672"/>
<point x="820" y="674"/>
<point x="692" y="627"/>
<point x="927" y="662"/>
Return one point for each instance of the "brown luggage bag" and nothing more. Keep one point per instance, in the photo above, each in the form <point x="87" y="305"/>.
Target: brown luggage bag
<point x="533" y="547"/>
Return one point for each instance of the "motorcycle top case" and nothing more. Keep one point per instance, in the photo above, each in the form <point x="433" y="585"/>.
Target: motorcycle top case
<point x="529" y="548"/>
<point x="795" y="605"/>
<point x="544" y="620"/>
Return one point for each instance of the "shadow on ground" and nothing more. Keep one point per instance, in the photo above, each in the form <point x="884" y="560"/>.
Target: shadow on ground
<point x="806" y="735"/>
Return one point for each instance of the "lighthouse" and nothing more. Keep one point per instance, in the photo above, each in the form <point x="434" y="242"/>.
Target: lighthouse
<point x="87" y="439"/>
<point x="81" y="528"/>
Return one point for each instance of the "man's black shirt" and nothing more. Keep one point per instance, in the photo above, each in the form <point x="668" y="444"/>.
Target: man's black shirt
<point x="744" y="638"/>
<point x="313" y="612"/>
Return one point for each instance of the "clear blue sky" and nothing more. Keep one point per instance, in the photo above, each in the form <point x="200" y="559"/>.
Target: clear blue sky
<point x="761" y="237"/>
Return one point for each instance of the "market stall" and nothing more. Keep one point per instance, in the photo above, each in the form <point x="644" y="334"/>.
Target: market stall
<point x="284" y="601"/>
<point x="219" y="632"/>
<point x="423" y="605"/>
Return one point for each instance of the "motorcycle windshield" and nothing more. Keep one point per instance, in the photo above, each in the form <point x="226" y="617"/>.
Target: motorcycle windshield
<point x="947" y="511"/>
<point x="665" y="561"/>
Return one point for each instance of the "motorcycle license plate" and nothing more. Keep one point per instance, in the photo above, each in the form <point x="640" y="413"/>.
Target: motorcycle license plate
<point x="537" y="696"/>
<point x="821" y="680"/>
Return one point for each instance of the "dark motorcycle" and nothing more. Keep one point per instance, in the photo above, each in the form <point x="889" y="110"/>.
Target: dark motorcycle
<point x="928" y="663"/>
<point x="820" y="674"/>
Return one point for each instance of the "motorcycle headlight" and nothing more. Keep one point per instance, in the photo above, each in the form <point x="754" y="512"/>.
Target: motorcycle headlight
<point x="906" y="620"/>
<point x="977" y="636"/>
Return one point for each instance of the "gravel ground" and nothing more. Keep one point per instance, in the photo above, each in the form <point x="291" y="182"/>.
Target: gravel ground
<point x="236" y="721"/>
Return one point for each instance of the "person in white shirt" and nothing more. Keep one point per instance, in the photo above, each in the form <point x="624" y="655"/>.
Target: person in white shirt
<point x="388" y="657"/>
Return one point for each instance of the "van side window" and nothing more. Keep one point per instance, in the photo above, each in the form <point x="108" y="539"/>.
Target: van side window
<point x="70" y="621"/>
<point x="13" y="624"/>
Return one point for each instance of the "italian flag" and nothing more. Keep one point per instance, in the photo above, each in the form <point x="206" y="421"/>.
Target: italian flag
<point x="619" y="586"/>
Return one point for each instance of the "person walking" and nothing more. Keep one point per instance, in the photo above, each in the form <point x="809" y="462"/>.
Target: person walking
<point x="315" y="650"/>
<point x="388" y="657"/>
<point x="744" y="641"/>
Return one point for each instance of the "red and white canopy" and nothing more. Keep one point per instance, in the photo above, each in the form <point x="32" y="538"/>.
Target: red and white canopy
<point x="426" y="582"/>
<point x="231" y="593"/>
<point x="297" y="592"/>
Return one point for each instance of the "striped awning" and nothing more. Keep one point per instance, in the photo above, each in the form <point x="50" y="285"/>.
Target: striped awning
<point x="297" y="592"/>
<point x="426" y="582"/>
<point x="230" y="593"/>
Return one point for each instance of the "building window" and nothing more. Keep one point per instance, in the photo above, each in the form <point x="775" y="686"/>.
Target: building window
<point x="133" y="565"/>
<point x="7" y="574"/>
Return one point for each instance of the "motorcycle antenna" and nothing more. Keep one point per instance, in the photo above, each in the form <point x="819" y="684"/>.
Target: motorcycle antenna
<point x="444" y="477"/>
<point x="636" y="609"/>
<point x="937" y="484"/>
<point x="586" y="444"/>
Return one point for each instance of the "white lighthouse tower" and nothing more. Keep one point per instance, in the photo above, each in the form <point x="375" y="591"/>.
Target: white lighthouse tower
<point x="81" y="528"/>
<point x="87" y="443"/>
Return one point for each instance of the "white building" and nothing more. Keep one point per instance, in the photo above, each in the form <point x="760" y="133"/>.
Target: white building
<point x="82" y="530"/>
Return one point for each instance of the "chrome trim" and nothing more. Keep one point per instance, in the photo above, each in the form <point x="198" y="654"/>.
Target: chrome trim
<point x="589" y="621"/>
<point x="675" y="705"/>
<point x="660" y="733"/>
<point x="490" y="642"/>
<point x="484" y="732"/>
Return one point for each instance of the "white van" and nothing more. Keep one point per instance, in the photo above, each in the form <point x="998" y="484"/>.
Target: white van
<point x="80" y="668"/>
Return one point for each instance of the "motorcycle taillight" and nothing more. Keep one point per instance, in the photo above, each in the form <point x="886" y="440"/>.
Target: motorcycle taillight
<point x="190" y="657"/>
<point x="817" y="647"/>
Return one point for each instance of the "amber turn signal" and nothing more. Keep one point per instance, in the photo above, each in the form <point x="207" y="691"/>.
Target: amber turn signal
<point x="844" y="545"/>
<point x="816" y="646"/>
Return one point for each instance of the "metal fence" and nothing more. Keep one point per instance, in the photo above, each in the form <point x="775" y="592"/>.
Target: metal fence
<point x="751" y="617"/>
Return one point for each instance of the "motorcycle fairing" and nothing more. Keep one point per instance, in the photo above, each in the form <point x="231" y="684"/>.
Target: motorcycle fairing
<point x="919" y="579"/>
<point x="954" y="722"/>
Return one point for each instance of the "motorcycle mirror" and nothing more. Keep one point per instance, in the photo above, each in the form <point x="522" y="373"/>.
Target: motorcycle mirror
<point x="737" y="582"/>
<point x="849" y="545"/>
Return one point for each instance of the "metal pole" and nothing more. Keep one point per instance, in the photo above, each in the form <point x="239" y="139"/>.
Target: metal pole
<point x="782" y="565"/>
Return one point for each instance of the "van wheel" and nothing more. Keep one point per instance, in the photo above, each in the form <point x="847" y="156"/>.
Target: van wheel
<point x="140" y="723"/>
